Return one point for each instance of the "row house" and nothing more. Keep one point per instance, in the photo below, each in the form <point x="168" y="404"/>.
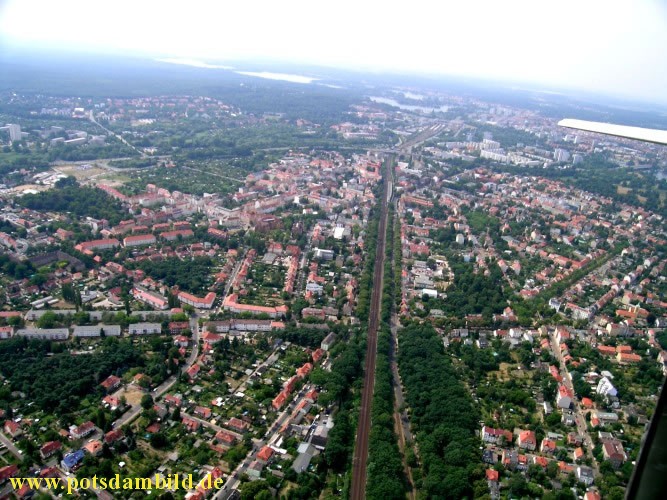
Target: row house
<point x="139" y="240"/>
<point x="151" y="298"/>
<point x="197" y="302"/>
<point x="104" y="244"/>
<point x="145" y="329"/>
<point x="44" y="333"/>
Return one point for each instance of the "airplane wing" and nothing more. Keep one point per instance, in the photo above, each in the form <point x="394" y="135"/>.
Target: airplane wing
<point x="638" y="133"/>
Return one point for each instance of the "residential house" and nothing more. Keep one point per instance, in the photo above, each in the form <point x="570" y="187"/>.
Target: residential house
<point x="8" y="471"/>
<point x="265" y="454"/>
<point x="113" y="436"/>
<point x="612" y="450"/>
<point x="13" y="429"/>
<point x="203" y="412"/>
<point x="226" y="438"/>
<point x="83" y="430"/>
<point x="93" y="448"/>
<point x="237" y="425"/>
<point x="547" y="446"/>
<point x="564" y="397"/>
<point x="496" y="436"/>
<point x="72" y="460"/>
<point x="110" y="383"/>
<point x="585" y="475"/>
<point x="527" y="440"/>
<point x="49" y="449"/>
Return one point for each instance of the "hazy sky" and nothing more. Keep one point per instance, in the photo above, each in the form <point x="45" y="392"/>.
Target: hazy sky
<point x="611" y="46"/>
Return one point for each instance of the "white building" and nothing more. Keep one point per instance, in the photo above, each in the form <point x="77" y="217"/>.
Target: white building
<point x="15" y="133"/>
<point x="44" y="333"/>
<point x="96" y="331"/>
<point x="561" y="155"/>
<point x="323" y="254"/>
<point x="606" y="388"/>
<point x="145" y="328"/>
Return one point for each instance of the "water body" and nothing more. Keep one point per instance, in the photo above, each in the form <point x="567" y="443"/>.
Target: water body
<point x="279" y="76"/>
<point x="417" y="97"/>
<point x="408" y="107"/>
<point x="193" y="62"/>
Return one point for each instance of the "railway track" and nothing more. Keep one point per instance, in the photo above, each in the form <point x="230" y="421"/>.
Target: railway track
<point x="360" y="458"/>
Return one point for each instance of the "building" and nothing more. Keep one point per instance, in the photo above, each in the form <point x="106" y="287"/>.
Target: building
<point x="495" y="436"/>
<point x="174" y="235"/>
<point x="113" y="435"/>
<point x="527" y="440"/>
<point x="628" y="358"/>
<point x="585" y="475"/>
<point x="606" y="388"/>
<point x="612" y="450"/>
<point x="145" y="329"/>
<point x="139" y="240"/>
<point x="8" y="471"/>
<point x="71" y="461"/>
<point x="320" y="436"/>
<point x="199" y="303"/>
<point x="105" y="244"/>
<point x="306" y="452"/>
<point x="328" y="341"/>
<point x="564" y="398"/>
<point x="265" y="454"/>
<point x="13" y="429"/>
<point x="6" y="332"/>
<point x="97" y="331"/>
<point x="83" y="430"/>
<point x="324" y="254"/>
<point x="230" y="303"/>
<point x="15" y="133"/>
<point x="111" y="383"/>
<point x="178" y="327"/>
<point x="225" y="438"/>
<point x="44" y="333"/>
<point x="203" y="412"/>
<point x="255" y="469"/>
<point x="151" y="298"/>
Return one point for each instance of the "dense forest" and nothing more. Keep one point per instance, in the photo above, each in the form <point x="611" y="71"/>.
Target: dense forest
<point x="385" y="469"/>
<point x="82" y="201"/>
<point x="17" y="270"/>
<point x="472" y="292"/>
<point x="385" y="477"/>
<point x="190" y="275"/>
<point x="58" y="381"/>
<point x="443" y="414"/>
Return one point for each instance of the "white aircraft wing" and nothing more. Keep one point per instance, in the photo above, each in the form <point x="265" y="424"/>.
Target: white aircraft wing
<point x="638" y="133"/>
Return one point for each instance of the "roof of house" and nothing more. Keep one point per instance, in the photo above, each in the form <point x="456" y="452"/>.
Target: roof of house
<point x="265" y="453"/>
<point x="71" y="459"/>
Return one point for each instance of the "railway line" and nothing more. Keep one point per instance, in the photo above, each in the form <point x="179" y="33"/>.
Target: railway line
<point x="360" y="458"/>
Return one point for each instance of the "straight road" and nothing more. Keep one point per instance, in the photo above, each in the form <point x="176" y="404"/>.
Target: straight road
<point x="401" y="422"/>
<point x="91" y="117"/>
<point x="579" y="419"/>
<point x="358" y="487"/>
<point x="10" y="446"/>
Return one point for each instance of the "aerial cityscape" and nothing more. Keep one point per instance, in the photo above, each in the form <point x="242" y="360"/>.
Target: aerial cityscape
<point x="290" y="281"/>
